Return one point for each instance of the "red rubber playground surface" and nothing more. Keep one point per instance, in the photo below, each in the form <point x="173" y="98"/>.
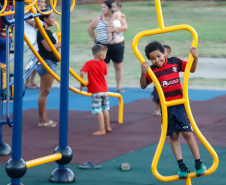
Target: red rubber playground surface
<point x="134" y="141"/>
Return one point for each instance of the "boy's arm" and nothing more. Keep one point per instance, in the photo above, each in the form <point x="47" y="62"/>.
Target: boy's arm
<point x="82" y="75"/>
<point x="194" y="53"/>
<point x="144" y="69"/>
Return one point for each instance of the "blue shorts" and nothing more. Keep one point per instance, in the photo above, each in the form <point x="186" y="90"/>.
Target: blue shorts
<point x="41" y="70"/>
<point x="100" y="102"/>
<point x="178" y="120"/>
<point x="3" y="50"/>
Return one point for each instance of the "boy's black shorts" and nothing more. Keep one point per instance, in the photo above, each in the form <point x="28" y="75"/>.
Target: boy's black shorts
<point x="178" y="120"/>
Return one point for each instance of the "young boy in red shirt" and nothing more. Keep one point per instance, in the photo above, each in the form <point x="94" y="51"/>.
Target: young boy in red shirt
<point x="97" y="85"/>
<point x="167" y="71"/>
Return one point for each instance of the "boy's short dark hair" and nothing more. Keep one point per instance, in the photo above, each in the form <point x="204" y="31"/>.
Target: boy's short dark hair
<point x="44" y="16"/>
<point x="168" y="47"/>
<point x="119" y="3"/>
<point x="152" y="47"/>
<point x="97" y="48"/>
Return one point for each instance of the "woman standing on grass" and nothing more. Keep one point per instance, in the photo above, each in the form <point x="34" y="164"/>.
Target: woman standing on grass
<point x="115" y="50"/>
<point x="51" y="60"/>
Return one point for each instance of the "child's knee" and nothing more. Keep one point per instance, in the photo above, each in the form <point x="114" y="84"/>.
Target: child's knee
<point x="187" y="135"/>
<point x="174" y="136"/>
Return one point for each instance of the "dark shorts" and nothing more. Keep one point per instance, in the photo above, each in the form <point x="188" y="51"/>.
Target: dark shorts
<point x="115" y="52"/>
<point x="178" y="120"/>
<point x="41" y="70"/>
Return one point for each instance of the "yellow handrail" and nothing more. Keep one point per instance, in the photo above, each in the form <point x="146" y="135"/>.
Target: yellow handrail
<point x="54" y="7"/>
<point x="44" y="160"/>
<point x="26" y="8"/>
<point x="45" y="13"/>
<point x="4" y="6"/>
<point x="164" y="104"/>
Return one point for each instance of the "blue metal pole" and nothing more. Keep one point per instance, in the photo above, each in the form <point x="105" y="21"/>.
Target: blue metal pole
<point x="16" y="167"/>
<point x="64" y="91"/>
<point x="18" y="79"/>
<point x="63" y="174"/>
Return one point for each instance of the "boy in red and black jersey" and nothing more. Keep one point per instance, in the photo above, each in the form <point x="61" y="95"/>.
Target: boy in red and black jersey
<point x="167" y="71"/>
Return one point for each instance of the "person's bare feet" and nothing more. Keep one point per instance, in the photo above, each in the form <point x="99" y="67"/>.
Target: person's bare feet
<point x="108" y="129"/>
<point x="99" y="133"/>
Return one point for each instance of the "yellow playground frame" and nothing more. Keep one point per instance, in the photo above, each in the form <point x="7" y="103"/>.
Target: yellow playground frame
<point x="165" y="104"/>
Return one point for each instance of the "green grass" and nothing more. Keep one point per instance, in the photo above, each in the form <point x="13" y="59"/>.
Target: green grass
<point x="206" y="17"/>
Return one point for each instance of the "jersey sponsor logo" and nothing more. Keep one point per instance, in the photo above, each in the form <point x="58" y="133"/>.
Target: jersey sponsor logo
<point x="174" y="69"/>
<point x="170" y="82"/>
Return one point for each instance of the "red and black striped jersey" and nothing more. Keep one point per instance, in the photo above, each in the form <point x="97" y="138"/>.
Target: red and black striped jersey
<point x="168" y="76"/>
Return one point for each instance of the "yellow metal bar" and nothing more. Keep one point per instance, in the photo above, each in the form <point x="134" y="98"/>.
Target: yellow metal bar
<point x="165" y="104"/>
<point x="159" y="14"/>
<point x="54" y="7"/>
<point x="43" y="160"/>
<point x="46" y="13"/>
<point x="26" y="8"/>
<point x="174" y="102"/>
<point x="4" y="6"/>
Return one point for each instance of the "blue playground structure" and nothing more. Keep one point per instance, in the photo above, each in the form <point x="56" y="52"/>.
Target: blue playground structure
<point x="16" y="167"/>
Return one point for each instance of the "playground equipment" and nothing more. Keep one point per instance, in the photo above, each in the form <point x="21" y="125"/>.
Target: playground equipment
<point x="10" y="21"/>
<point x="165" y="104"/>
<point x="16" y="167"/>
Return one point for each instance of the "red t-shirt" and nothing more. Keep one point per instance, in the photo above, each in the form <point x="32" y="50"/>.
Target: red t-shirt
<point x="96" y="72"/>
<point x="168" y="76"/>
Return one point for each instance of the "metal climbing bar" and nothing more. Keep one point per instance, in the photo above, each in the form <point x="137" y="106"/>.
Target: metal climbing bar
<point x="165" y="104"/>
<point x="43" y="160"/>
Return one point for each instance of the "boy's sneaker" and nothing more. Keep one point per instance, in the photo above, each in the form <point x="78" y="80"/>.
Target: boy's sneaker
<point x="200" y="169"/>
<point x="183" y="171"/>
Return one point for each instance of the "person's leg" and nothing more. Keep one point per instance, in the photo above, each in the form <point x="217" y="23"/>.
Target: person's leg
<point x="157" y="111"/>
<point x="118" y="75"/>
<point x="192" y="143"/>
<point x="101" y="130"/>
<point x="175" y="145"/>
<point x="45" y="87"/>
<point x="32" y="77"/>
<point x="107" y="120"/>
